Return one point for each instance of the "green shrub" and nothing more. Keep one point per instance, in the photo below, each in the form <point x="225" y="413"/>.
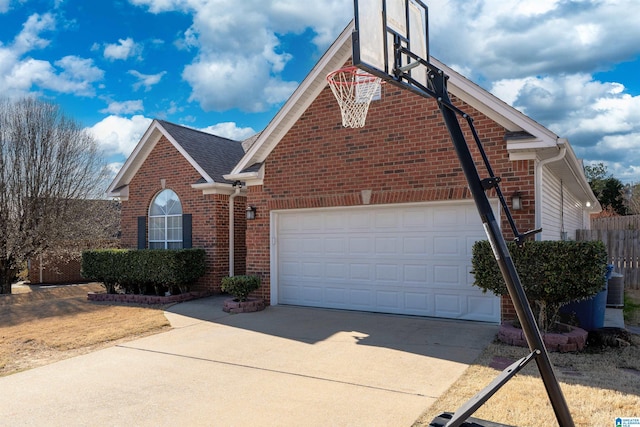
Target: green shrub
<point x="240" y="286"/>
<point x="144" y="271"/>
<point x="102" y="265"/>
<point x="552" y="273"/>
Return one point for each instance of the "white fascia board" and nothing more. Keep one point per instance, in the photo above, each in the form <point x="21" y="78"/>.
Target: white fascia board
<point x="577" y="169"/>
<point x="249" y="178"/>
<point x="137" y="157"/>
<point x="216" y="188"/>
<point x="527" y="145"/>
<point x="121" y="194"/>
<point x="337" y="54"/>
<point x="493" y="107"/>
<point x="140" y="153"/>
<point x="522" y="155"/>
<point x="186" y="155"/>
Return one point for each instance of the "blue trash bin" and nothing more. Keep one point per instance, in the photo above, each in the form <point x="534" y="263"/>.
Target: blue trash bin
<point x="590" y="312"/>
<point x="609" y="272"/>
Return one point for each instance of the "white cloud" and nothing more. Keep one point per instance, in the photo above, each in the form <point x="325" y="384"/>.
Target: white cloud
<point x="112" y="170"/>
<point x="4" y="6"/>
<point x="29" y="38"/>
<point x="243" y="83"/>
<point x="125" y="107"/>
<point x="514" y="39"/>
<point x="21" y="74"/>
<point x="230" y="130"/>
<point x="119" y="135"/>
<point x="124" y="49"/>
<point x="146" y="80"/>
<point x="241" y="56"/>
<point x="73" y="75"/>
<point x="158" y="6"/>
<point x="542" y="57"/>
<point x="18" y="77"/>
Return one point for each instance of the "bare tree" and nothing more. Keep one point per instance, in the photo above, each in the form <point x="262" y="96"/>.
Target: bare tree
<point x="632" y="198"/>
<point x="47" y="163"/>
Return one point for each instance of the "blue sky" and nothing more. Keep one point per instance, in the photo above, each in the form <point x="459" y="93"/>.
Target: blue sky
<point x="227" y="66"/>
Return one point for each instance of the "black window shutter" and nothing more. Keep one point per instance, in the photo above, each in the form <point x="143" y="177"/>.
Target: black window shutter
<point x="142" y="232"/>
<point x="187" y="240"/>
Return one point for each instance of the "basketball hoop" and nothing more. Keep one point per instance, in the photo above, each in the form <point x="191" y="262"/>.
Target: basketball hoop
<point x="354" y="89"/>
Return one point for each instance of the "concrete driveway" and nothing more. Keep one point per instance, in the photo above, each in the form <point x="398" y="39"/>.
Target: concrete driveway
<point x="279" y="367"/>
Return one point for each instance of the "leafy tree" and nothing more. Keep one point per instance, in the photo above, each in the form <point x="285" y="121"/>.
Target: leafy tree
<point x="48" y="163"/>
<point x="608" y="190"/>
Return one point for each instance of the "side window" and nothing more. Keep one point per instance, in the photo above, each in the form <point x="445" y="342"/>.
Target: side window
<point x="165" y="221"/>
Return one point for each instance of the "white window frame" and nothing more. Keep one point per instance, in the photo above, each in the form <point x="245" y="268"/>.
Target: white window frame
<point x="166" y="217"/>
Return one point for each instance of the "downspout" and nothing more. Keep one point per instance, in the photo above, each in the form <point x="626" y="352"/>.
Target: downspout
<point x="237" y="186"/>
<point x="539" y="167"/>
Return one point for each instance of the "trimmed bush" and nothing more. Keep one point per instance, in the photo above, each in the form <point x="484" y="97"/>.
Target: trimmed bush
<point x="240" y="286"/>
<point x="144" y="271"/>
<point x="103" y="265"/>
<point x="553" y="273"/>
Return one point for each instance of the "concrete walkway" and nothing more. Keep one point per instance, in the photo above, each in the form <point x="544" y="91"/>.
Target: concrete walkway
<point x="279" y="367"/>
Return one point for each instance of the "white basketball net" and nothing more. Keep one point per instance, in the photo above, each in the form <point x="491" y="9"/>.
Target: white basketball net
<point x="354" y="89"/>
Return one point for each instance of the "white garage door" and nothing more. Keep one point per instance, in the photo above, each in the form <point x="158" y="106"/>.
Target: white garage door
<point x="406" y="259"/>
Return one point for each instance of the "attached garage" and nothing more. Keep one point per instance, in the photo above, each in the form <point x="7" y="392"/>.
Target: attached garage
<point x="405" y="259"/>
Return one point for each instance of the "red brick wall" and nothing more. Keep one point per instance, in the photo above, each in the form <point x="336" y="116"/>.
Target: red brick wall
<point x="210" y="213"/>
<point x="55" y="271"/>
<point x="403" y="154"/>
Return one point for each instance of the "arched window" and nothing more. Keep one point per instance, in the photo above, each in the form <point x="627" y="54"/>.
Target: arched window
<point x="165" y="221"/>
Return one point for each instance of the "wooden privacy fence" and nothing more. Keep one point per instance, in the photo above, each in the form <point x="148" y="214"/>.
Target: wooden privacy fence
<point x="629" y="222"/>
<point x="623" y="250"/>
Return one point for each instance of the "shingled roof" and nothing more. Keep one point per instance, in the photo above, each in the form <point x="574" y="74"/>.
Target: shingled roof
<point x="215" y="155"/>
<point x="212" y="156"/>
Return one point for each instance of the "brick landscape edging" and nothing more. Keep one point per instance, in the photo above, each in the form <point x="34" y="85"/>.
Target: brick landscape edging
<point x="145" y="299"/>
<point x="249" y="306"/>
<point x="574" y="340"/>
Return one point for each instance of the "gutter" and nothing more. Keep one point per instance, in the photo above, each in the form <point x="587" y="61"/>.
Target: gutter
<point x="562" y="143"/>
<point x="237" y="186"/>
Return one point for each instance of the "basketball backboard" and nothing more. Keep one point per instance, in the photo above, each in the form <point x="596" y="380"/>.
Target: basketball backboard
<point x="383" y="25"/>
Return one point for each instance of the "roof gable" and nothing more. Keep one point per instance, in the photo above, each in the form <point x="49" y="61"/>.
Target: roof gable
<point x="534" y="141"/>
<point x="336" y="56"/>
<point x="212" y="156"/>
<point x="215" y="155"/>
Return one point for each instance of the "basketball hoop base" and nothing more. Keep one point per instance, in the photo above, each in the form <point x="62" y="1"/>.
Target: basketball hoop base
<point x="442" y="420"/>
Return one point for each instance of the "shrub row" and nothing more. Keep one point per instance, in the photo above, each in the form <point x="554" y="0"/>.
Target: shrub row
<point x="552" y="273"/>
<point x="144" y="271"/>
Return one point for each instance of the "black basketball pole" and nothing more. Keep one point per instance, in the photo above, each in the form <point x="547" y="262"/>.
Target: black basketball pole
<point x="500" y="250"/>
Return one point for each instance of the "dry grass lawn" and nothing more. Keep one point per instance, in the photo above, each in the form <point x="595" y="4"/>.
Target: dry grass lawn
<point x="599" y="385"/>
<point x="43" y="326"/>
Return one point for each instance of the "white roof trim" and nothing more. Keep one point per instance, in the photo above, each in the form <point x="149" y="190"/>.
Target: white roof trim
<point x="335" y="57"/>
<point x="186" y="155"/>
<point x="249" y="178"/>
<point x="217" y="188"/>
<point x="122" y="193"/>
<point x="472" y="94"/>
<point x="495" y="108"/>
<point x="140" y="153"/>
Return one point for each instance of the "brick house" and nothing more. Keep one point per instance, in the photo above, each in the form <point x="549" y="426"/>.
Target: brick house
<point x="374" y="219"/>
<point x="380" y="218"/>
<point x="90" y="224"/>
<point x="43" y="270"/>
<point x="174" y="196"/>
